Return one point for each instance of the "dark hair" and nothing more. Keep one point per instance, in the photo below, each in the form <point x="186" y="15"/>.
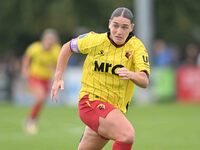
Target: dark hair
<point x="124" y="12"/>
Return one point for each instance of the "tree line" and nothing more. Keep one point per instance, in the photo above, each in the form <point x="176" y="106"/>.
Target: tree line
<point x="22" y="21"/>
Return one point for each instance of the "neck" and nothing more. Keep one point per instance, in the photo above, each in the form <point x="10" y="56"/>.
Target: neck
<point x="119" y="45"/>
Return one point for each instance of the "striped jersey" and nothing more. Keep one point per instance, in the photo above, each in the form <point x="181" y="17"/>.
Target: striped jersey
<point x="104" y="57"/>
<point x="43" y="61"/>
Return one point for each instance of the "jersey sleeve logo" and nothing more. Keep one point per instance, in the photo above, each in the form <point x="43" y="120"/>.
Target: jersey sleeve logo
<point x="145" y="59"/>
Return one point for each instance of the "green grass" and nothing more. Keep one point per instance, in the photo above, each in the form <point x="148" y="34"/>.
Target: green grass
<point x="158" y="127"/>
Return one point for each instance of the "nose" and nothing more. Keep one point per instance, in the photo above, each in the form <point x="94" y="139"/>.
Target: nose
<point x="119" y="31"/>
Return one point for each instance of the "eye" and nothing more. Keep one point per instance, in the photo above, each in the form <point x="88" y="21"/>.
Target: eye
<point x="124" y="27"/>
<point x="115" y="26"/>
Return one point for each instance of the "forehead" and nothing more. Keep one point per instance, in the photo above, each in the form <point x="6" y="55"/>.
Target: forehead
<point x="49" y="37"/>
<point x="121" y="20"/>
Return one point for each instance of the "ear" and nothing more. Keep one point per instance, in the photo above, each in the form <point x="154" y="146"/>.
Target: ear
<point x="132" y="26"/>
<point x="109" y="23"/>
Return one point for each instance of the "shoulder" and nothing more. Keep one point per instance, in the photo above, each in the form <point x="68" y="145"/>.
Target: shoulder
<point x="92" y="39"/>
<point x="85" y="42"/>
<point x="34" y="48"/>
<point x="35" y="45"/>
<point x="56" y="47"/>
<point x="136" y="42"/>
<point x="91" y="34"/>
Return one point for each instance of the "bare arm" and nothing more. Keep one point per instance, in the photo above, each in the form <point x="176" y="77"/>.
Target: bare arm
<point x="139" y="78"/>
<point x="63" y="58"/>
<point x="26" y="60"/>
<point x="62" y="61"/>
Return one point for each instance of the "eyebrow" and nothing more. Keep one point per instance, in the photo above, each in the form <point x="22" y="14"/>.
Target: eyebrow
<point x="122" y="24"/>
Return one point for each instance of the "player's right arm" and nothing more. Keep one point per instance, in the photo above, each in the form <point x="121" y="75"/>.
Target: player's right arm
<point x="62" y="61"/>
<point x="81" y="44"/>
<point x="25" y="64"/>
<point x="27" y="58"/>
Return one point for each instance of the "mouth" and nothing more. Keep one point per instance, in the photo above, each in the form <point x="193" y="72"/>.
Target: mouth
<point x="118" y="38"/>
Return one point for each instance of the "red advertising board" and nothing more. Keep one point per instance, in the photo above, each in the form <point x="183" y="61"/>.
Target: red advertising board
<point x="188" y="84"/>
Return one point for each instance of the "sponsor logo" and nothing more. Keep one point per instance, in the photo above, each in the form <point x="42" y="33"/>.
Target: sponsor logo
<point x="145" y="59"/>
<point x="106" y="67"/>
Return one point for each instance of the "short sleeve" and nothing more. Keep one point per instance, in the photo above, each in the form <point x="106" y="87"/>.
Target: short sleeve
<point x="31" y="50"/>
<point x="83" y="43"/>
<point x="141" y="59"/>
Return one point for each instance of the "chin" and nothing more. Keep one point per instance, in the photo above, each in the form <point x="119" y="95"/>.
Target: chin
<point x="119" y="42"/>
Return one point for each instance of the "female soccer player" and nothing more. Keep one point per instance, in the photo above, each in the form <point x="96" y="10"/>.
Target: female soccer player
<point x="115" y="62"/>
<point x="38" y="64"/>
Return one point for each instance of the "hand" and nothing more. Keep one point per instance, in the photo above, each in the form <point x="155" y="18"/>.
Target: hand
<point x="57" y="85"/>
<point x="124" y="73"/>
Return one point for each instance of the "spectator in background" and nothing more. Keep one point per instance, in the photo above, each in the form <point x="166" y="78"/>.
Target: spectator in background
<point x="176" y="61"/>
<point x="12" y="70"/>
<point x="191" y="55"/>
<point x="162" y="55"/>
<point x="38" y="64"/>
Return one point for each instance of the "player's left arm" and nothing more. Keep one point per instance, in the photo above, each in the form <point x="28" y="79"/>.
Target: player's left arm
<point x="139" y="78"/>
<point x="141" y="71"/>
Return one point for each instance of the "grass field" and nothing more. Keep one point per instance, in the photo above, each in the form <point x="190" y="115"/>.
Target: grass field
<point x="158" y="127"/>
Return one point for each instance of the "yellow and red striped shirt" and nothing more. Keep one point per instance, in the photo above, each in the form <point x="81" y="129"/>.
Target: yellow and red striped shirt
<point x="99" y="78"/>
<point x="43" y="61"/>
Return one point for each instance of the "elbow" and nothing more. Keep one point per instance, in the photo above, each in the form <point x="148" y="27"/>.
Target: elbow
<point x="141" y="79"/>
<point x="145" y="80"/>
<point x="145" y="84"/>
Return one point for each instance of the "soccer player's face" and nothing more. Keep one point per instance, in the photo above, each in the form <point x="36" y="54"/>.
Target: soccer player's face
<point x="48" y="41"/>
<point x="120" y="28"/>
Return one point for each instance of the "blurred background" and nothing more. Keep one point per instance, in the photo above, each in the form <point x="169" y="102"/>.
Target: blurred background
<point x="170" y="31"/>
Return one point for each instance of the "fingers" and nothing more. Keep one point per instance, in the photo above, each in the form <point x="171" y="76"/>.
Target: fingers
<point x="55" y="89"/>
<point x="54" y="93"/>
<point x="122" y="70"/>
<point x="62" y="85"/>
<point x="123" y="73"/>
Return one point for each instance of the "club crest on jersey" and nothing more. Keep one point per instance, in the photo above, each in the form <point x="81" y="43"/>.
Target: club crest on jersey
<point x="101" y="106"/>
<point x="128" y="54"/>
<point x="101" y="52"/>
